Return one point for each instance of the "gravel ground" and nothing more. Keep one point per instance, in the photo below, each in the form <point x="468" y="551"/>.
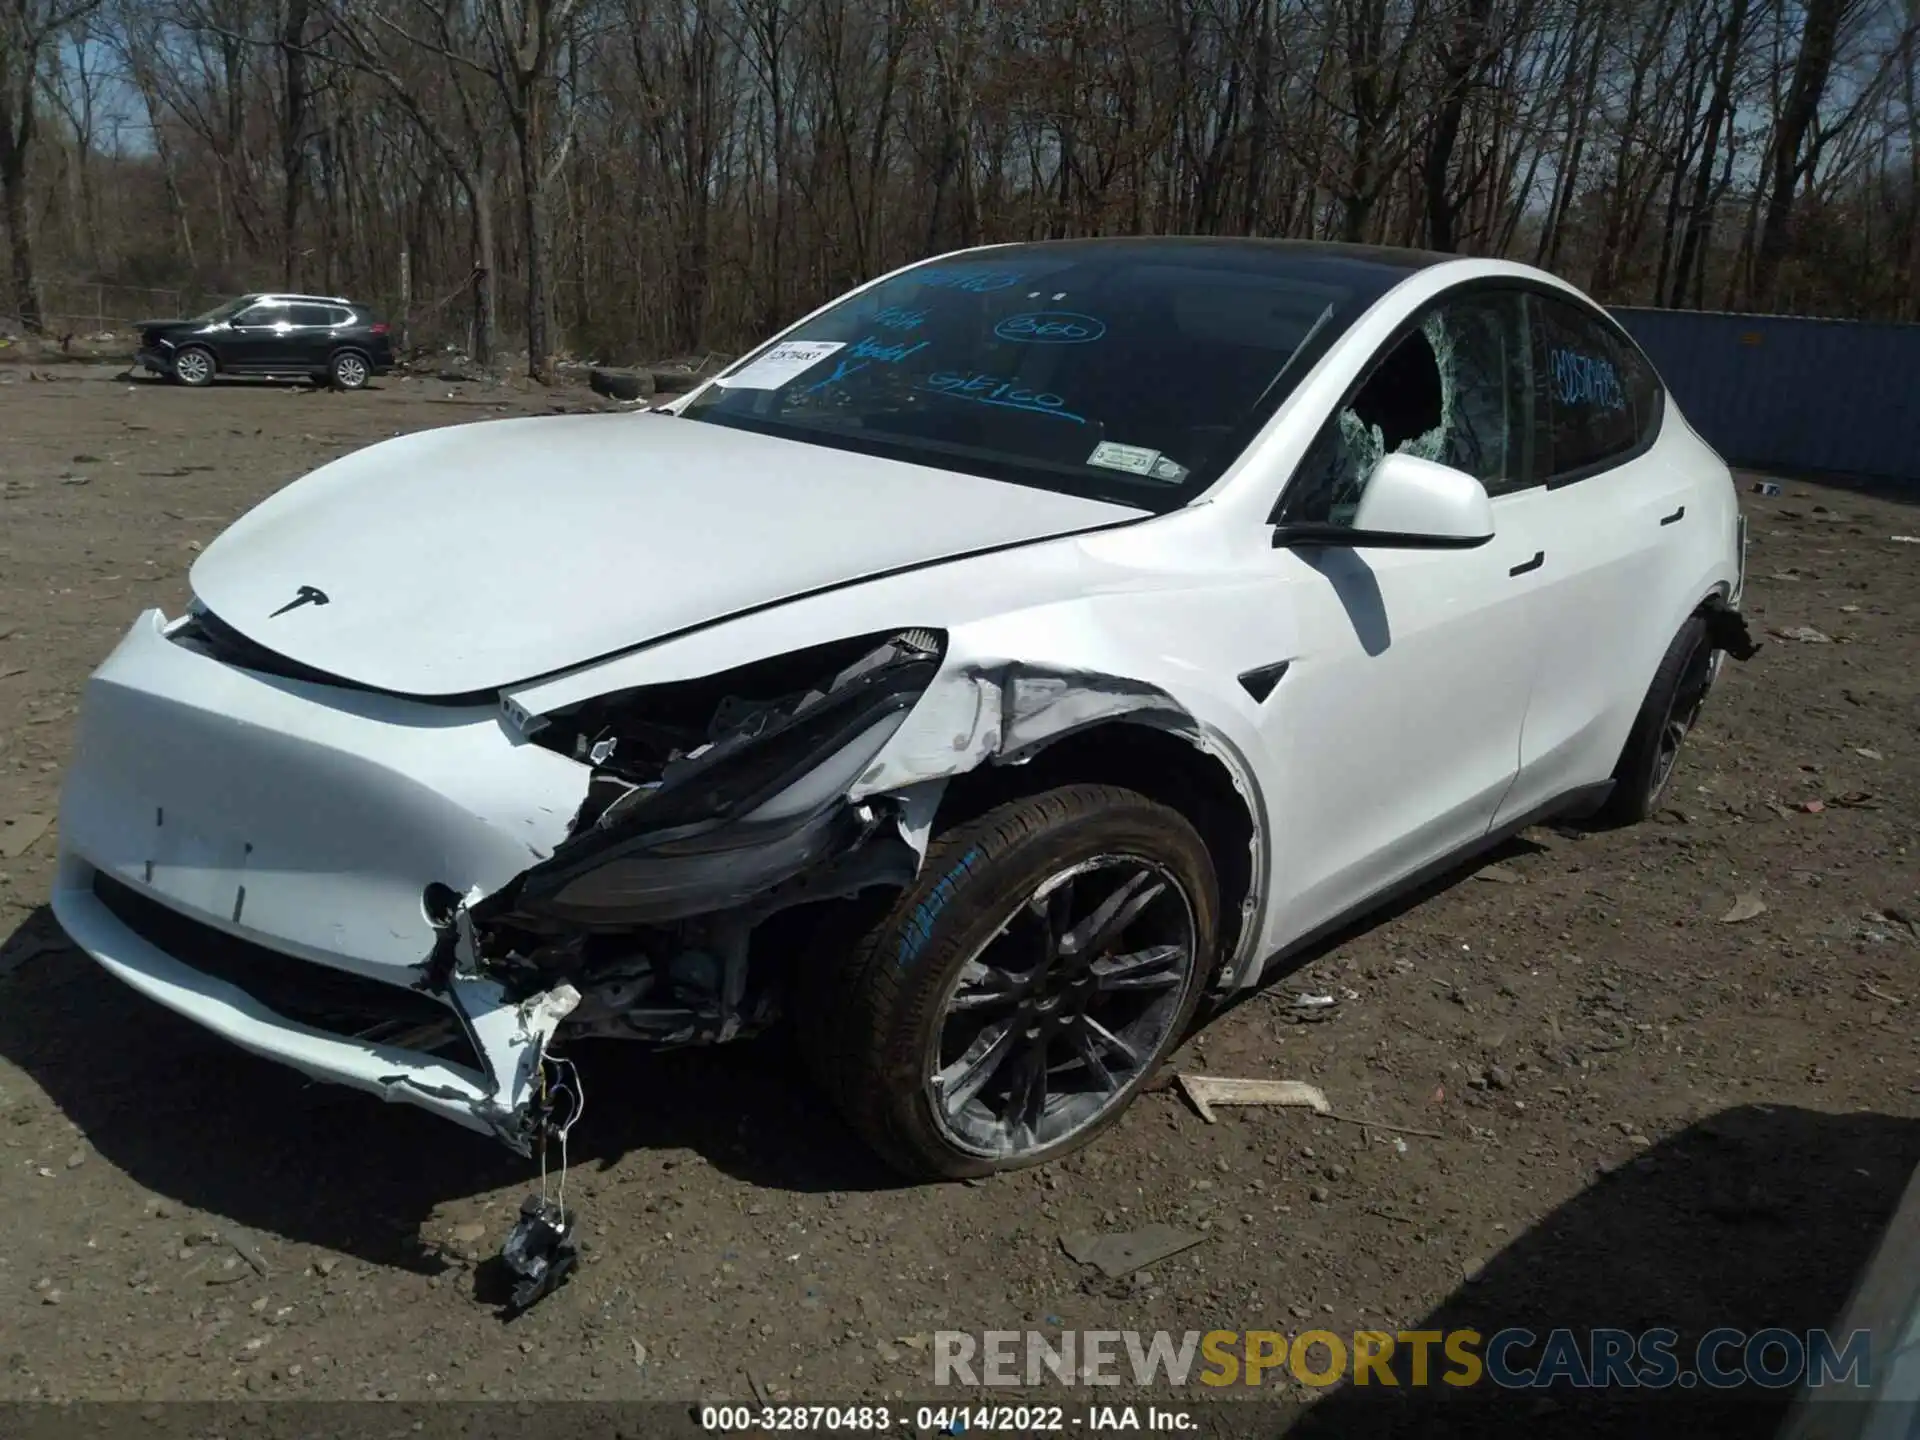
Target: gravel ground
<point x="1637" y="1109"/>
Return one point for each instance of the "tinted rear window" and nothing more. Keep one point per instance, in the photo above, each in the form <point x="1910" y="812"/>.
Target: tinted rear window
<point x="1133" y="373"/>
<point x="1596" y="400"/>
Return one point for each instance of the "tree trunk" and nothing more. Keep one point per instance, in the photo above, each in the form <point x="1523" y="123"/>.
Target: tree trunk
<point x="16" y="134"/>
<point x="1568" y="172"/>
<point x="144" y="81"/>
<point x="1693" y="241"/>
<point x="1460" y="60"/>
<point x="1908" y="86"/>
<point x="1364" y="44"/>
<point x="486" y="308"/>
<point x="1818" y="39"/>
<point x="1614" y="234"/>
<point x="533" y="195"/>
<point x="293" y="128"/>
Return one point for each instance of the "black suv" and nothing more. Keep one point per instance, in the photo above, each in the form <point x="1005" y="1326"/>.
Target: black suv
<point x="320" y="336"/>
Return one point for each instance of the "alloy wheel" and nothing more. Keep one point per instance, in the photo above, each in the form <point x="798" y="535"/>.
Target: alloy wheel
<point x="193" y="367"/>
<point x="1683" y="709"/>
<point x="1054" y="1020"/>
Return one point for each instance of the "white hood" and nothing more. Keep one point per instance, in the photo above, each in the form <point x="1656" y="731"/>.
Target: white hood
<point x="468" y="558"/>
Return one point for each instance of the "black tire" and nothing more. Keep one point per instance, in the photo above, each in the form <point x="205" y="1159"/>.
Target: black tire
<point x="194" y="365"/>
<point x="1673" y="702"/>
<point x="348" y="370"/>
<point x="874" y="1014"/>
<point x="622" y="385"/>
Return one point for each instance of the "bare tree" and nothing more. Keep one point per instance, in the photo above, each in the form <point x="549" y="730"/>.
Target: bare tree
<point x="460" y="127"/>
<point x="28" y="31"/>
<point x="629" y="177"/>
<point x="526" y="39"/>
<point x="1797" y="123"/>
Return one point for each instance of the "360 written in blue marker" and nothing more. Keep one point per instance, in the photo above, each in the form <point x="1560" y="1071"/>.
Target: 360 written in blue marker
<point x="1051" y="327"/>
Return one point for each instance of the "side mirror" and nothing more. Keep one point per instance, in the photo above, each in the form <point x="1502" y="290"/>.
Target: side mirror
<point x="1409" y="504"/>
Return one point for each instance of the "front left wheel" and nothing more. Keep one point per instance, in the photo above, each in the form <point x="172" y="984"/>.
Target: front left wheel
<point x="194" y="365"/>
<point x="1012" y="1002"/>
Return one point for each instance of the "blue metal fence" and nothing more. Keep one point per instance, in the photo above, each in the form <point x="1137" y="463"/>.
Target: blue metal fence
<point x="1791" y="393"/>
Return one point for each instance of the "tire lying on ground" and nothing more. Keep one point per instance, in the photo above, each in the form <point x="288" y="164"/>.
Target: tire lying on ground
<point x="621" y="384"/>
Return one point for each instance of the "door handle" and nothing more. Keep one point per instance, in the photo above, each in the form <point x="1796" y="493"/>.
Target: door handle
<point x="1539" y="559"/>
<point x="1669" y="519"/>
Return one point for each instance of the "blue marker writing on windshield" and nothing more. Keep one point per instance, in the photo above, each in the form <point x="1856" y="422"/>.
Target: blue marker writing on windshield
<point x="899" y="317"/>
<point x="841" y="369"/>
<point x="872" y="349"/>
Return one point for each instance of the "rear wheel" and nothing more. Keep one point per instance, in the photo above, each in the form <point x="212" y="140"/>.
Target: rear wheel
<point x="1667" y="716"/>
<point x="194" y="365"/>
<point x="1012" y="1003"/>
<point x="348" y="370"/>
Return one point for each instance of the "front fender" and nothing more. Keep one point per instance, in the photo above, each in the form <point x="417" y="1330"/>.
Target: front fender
<point x="987" y="707"/>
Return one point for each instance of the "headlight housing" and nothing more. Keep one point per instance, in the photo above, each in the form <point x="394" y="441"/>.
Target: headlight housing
<point x="707" y="792"/>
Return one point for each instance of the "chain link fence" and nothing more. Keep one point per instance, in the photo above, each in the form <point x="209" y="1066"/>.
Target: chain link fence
<point x="86" y="309"/>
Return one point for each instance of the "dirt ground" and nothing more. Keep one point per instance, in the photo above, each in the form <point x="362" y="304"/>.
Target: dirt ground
<point x="1647" y="1111"/>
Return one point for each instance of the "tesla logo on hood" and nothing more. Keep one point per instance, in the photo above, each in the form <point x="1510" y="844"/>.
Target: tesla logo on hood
<point x="305" y="595"/>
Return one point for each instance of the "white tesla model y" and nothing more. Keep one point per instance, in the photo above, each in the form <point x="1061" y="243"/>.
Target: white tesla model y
<point x="1008" y="655"/>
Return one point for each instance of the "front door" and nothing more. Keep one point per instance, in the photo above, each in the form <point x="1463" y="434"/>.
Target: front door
<point x="259" y="338"/>
<point x="1396" y="728"/>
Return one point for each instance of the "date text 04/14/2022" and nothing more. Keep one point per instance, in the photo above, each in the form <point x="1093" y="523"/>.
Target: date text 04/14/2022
<point x="1038" y="1419"/>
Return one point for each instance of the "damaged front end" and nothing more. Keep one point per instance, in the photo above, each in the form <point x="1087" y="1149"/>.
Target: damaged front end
<point x="425" y="901"/>
<point x="720" y="807"/>
<point x="714" y="805"/>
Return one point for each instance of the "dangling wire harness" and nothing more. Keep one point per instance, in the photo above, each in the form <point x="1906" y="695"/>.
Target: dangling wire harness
<point x="539" y="1251"/>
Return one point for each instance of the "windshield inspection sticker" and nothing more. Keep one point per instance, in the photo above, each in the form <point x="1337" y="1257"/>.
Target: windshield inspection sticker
<point x="782" y="363"/>
<point x="1134" y="459"/>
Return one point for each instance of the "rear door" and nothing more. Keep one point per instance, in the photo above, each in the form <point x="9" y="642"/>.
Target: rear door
<point x="1611" y="513"/>
<point x="310" y="336"/>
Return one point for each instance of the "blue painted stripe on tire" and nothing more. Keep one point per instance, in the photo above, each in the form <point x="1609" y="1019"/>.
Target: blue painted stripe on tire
<point x="920" y="925"/>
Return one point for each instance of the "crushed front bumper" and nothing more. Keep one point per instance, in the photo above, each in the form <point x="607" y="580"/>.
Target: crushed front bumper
<point x="312" y="824"/>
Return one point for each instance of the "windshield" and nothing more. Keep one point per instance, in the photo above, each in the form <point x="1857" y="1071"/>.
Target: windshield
<point x="1129" y="371"/>
<point x="225" y="311"/>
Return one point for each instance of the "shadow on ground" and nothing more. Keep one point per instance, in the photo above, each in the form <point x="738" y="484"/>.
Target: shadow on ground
<point x="1278" y="968"/>
<point x="1758" y="1217"/>
<point x="190" y="1117"/>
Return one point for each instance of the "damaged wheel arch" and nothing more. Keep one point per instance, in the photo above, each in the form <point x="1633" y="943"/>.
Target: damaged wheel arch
<point x="998" y="728"/>
<point x="721" y="802"/>
<point x="1205" y="784"/>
